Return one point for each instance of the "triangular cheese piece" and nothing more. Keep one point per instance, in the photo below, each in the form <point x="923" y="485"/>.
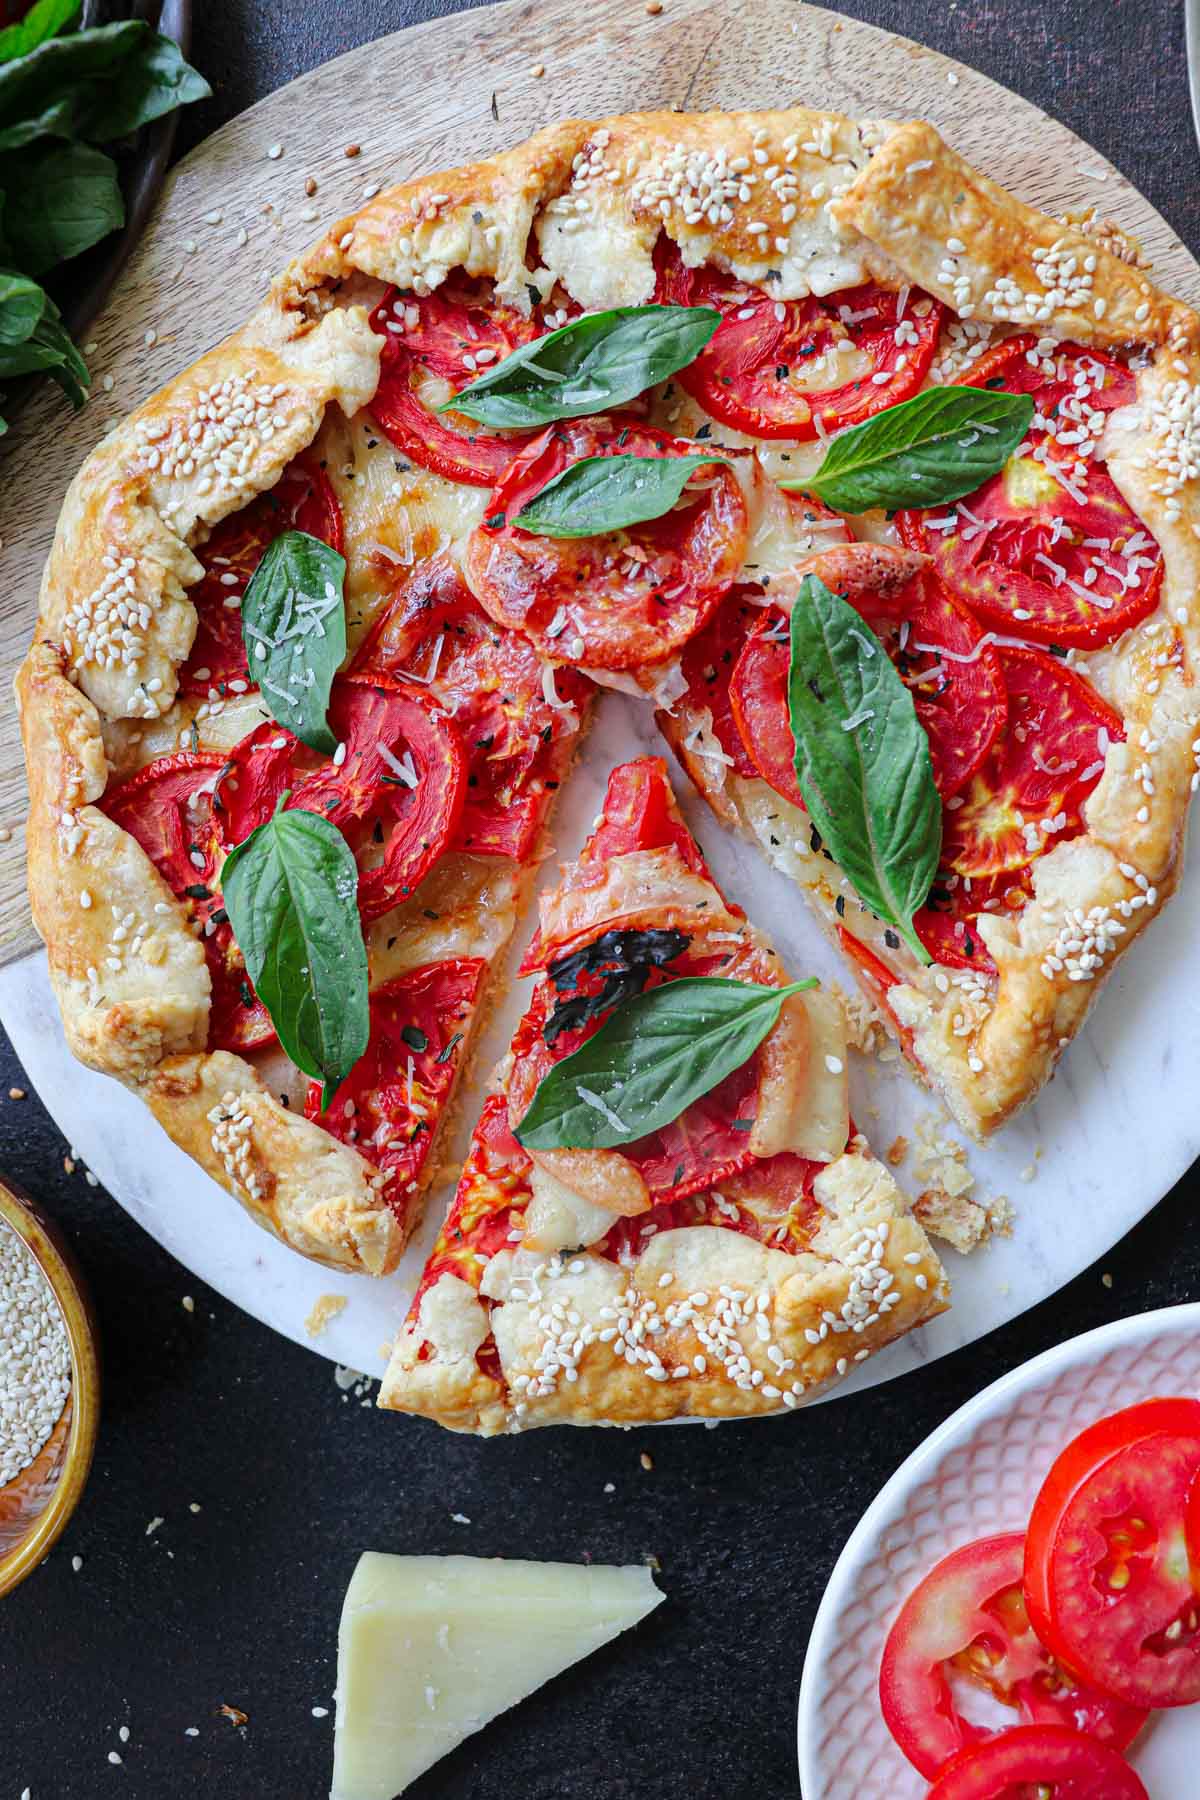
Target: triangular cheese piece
<point x="432" y="1647"/>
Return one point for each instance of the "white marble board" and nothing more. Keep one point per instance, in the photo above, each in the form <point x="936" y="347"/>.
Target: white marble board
<point x="1114" y="1130"/>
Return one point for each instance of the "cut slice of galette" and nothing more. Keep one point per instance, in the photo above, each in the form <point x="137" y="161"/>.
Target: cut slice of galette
<point x="666" y="1210"/>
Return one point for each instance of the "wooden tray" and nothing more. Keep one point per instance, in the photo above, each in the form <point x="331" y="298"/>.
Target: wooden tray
<point x="436" y="95"/>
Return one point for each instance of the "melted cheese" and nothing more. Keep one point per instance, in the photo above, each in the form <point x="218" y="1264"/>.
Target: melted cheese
<point x="473" y="900"/>
<point x="396" y="515"/>
<point x="557" y="1218"/>
<point x="431" y="1648"/>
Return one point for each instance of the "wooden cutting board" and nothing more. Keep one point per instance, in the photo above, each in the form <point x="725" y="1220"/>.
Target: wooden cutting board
<point x="439" y="94"/>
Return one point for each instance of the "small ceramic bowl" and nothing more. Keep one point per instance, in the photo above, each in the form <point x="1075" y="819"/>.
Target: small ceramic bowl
<point x="35" y="1507"/>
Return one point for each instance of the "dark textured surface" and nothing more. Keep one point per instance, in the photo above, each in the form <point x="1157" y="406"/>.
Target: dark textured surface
<point x="237" y="1604"/>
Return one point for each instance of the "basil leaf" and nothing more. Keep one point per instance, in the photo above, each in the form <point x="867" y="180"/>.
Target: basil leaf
<point x="862" y="759"/>
<point x="650" y="1059"/>
<point x="294" y="630"/>
<point x="22" y="303"/>
<point x="95" y="85"/>
<point x="59" y="201"/>
<point x="290" y="890"/>
<point x="936" y="447"/>
<point x="45" y="19"/>
<point x="605" y="493"/>
<point x="153" y="80"/>
<point x="596" y="362"/>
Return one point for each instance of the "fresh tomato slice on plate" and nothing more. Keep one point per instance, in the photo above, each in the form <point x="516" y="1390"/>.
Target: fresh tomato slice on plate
<point x="940" y="652"/>
<point x="389" y="1105"/>
<point x="1048" y="548"/>
<point x="301" y="500"/>
<point x="621" y="599"/>
<point x="1030" y="792"/>
<point x="1109" y="1581"/>
<point x="168" y="808"/>
<point x="1038" y="1762"/>
<point x="491" y="681"/>
<point x="396" y="789"/>
<point x="967" y="1618"/>
<point x="434" y="345"/>
<point x="799" y="368"/>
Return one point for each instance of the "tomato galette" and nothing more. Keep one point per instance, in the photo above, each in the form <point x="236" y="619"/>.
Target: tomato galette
<point x="666" y="1209"/>
<point x="879" y="486"/>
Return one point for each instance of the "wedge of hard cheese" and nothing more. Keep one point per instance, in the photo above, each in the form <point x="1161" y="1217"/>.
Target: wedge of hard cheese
<point x="432" y="1647"/>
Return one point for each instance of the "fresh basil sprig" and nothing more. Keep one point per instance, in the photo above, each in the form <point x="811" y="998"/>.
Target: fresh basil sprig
<point x="925" y="451"/>
<point x="598" y="361"/>
<point x="290" y="890"/>
<point x="606" y="493"/>
<point x="650" y="1059"/>
<point x="294" y="630"/>
<point x="862" y="759"/>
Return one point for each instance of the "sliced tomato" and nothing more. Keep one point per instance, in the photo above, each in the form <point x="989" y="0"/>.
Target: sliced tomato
<point x="389" y="1105"/>
<point x="168" y="808"/>
<point x="696" y="1152"/>
<point x="621" y="599"/>
<point x="1030" y="793"/>
<point x="939" y="650"/>
<point x="639" y="813"/>
<point x="1110" y="1584"/>
<point x="1038" y="1762"/>
<point x="489" y="1204"/>
<point x="758" y="700"/>
<point x="397" y="793"/>
<point x="800" y="368"/>
<point x="301" y="500"/>
<point x="967" y="1618"/>
<point x="946" y="924"/>
<point x="1048" y="548"/>
<point x="707" y="662"/>
<point x="440" y="343"/>
<point x="491" y="682"/>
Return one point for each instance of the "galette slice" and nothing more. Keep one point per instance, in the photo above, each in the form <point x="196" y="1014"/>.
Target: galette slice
<point x="709" y="1236"/>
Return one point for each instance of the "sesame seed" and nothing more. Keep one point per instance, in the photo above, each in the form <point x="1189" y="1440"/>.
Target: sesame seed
<point x="274" y="152"/>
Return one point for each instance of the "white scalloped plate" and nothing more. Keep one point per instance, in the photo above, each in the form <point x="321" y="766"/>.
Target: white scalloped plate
<point x="978" y="1473"/>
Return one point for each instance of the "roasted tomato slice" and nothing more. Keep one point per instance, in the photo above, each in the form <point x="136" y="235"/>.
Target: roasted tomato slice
<point x="396" y="788"/>
<point x="621" y="599"/>
<point x="389" y="1105"/>
<point x="301" y="500"/>
<point x="1048" y="548"/>
<point x="707" y="663"/>
<point x="758" y="700"/>
<point x="434" y="345"/>
<point x="800" y="368"/>
<point x="955" y="678"/>
<point x="1041" y="1762"/>
<point x="967" y="1619"/>
<point x="1030" y="792"/>
<point x="697" y="1151"/>
<point x="168" y="808"/>
<point x="1110" y="1584"/>
<point x="946" y="924"/>
<point x="492" y="683"/>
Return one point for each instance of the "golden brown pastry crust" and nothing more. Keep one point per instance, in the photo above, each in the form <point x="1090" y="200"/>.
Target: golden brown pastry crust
<point x="798" y="201"/>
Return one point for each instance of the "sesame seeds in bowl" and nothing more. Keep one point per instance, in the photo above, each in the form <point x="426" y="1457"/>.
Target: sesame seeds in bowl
<point x="49" y="1387"/>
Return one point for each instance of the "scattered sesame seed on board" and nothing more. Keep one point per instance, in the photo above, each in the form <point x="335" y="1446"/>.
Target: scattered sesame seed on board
<point x="274" y="152"/>
<point x="538" y="70"/>
<point x="310" y="185"/>
<point x="460" y="1518"/>
<point x="1106" y="1279"/>
<point x="16" y="1093"/>
<point x="646" y="1460"/>
<point x="654" y="7"/>
<point x="77" y="1563"/>
<point x="352" y="150"/>
<point x="320" y="1712"/>
<point x="188" y="1304"/>
<point x="5" y="833"/>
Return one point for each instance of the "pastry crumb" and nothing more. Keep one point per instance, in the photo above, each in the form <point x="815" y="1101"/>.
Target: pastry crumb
<point x="962" y="1223"/>
<point x="234" y="1714"/>
<point x="865" y="1029"/>
<point x="325" y="1308"/>
<point x="897" y="1151"/>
